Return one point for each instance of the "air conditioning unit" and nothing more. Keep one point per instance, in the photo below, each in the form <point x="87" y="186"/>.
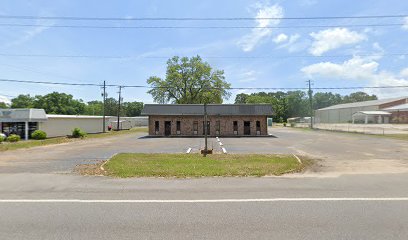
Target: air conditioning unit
<point x="235" y="132"/>
<point x="157" y="132"/>
<point x="217" y="132"/>
<point x="195" y="132"/>
<point x="178" y="132"/>
<point x="258" y="132"/>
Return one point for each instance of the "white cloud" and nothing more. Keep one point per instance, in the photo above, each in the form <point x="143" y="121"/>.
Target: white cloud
<point x="363" y="69"/>
<point x="251" y="40"/>
<point x="333" y="38"/>
<point x="5" y="99"/>
<point x="247" y="76"/>
<point x="405" y="26"/>
<point x="291" y="43"/>
<point x="32" y="32"/>
<point x="281" y="38"/>
<point x="404" y="72"/>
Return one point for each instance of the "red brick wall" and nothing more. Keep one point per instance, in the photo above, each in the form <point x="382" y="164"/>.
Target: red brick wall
<point x="399" y="117"/>
<point x="226" y="125"/>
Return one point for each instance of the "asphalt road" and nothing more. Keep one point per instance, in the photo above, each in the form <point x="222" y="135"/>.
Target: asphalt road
<point x="347" y="207"/>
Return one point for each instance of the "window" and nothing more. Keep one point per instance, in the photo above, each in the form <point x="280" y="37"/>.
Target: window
<point x="156" y="127"/>
<point x="195" y="127"/>
<point x="235" y="124"/>
<point x="178" y="127"/>
<point x="258" y="126"/>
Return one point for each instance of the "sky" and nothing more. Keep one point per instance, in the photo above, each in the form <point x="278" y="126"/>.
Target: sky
<point x="332" y="55"/>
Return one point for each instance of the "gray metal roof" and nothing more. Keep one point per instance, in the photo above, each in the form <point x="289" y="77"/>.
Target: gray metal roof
<point x="22" y="115"/>
<point x="363" y="104"/>
<point x="212" y="109"/>
<point x="402" y="107"/>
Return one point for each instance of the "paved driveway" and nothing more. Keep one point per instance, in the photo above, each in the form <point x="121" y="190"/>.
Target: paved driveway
<point x="339" y="152"/>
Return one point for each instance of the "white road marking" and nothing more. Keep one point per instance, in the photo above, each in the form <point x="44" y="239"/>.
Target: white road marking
<point x="224" y="150"/>
<point x="202" y="200"/>
<point x="188" y="150"/>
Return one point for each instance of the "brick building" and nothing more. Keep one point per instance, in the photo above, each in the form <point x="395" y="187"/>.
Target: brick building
<point x="222" y="119"/>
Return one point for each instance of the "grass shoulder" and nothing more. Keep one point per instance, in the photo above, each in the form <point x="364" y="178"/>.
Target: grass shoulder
<point x="194" y="165"/>
<point x="5" y="146"/>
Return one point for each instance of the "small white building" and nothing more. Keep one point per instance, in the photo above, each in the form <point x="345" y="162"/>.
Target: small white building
<point x="25" y="121"/>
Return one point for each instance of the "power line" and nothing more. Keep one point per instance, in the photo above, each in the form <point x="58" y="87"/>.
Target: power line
<point x="196" y="18"/>
<point x="207" y="57"/>
<point x="231" y="88"/>
<point x="198" y="27"/>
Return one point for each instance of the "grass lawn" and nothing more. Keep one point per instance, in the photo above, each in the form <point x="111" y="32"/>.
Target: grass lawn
<point x="194" y="165"/>
<point x="35" y="143"/>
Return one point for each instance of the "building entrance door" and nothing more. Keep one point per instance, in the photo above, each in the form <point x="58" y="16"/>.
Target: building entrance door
<point x="167" y="128"/>
<point x="247" y="128"/>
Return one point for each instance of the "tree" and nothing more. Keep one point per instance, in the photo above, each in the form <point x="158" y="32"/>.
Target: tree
<point x="358" y="97"/>
<point x="59" y="103"/>
<point x="94" y="108"/>
<point x="3" y="105"/>
<point x="189" y="80"/>
<point x="241" y="98"/>
<point x="326" y="99"/>
<point x="23" y="101"/>
<point x="132" y="109"/>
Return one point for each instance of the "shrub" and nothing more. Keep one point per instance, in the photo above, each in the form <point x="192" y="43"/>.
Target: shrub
<point x="13" y="138"/>
<point x="2" y="139"/>
<point x="78" y="133"/>
<point x="39" y="135"/>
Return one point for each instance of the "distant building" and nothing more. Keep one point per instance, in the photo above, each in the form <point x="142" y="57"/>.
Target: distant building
<point x="223" y="119"/>
<point x="25" y="121"/>
<point x="375" y="111"/>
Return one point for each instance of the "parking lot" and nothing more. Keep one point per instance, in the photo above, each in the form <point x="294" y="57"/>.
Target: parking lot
<point x="336" y="153"/>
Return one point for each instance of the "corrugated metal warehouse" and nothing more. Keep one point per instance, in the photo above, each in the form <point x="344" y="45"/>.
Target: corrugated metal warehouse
<point x="343" y="113"/>
<point x="25" y="121"/>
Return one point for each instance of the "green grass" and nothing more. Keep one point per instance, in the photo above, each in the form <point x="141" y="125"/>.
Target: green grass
<point x="58" y="140"/>
<point x="194" y="165"/>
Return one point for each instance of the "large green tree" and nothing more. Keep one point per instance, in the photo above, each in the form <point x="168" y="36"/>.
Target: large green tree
<point x="189" y="80"/>
<point x="326" y="99"/>
<point x="23" y="101"/>
<point x="59" y="103"/>
<point x="358" y="97"/>
<point x="3" y="105"/>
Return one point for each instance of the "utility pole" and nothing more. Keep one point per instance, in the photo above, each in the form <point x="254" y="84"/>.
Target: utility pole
<point x="310" y="92"/>
<point x="205" y="130"/>
<point x="119" y="100"/>
<point x="103" y="109"/>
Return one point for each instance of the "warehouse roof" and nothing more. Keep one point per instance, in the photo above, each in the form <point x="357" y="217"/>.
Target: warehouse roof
<point x="402" y="107"/>
<point x="212" y="109"/>
<point x="364" y="104"/>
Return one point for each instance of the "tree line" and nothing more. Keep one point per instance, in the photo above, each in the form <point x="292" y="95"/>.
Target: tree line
<point x="62" y="103"/>
<point x="297" y="103"/>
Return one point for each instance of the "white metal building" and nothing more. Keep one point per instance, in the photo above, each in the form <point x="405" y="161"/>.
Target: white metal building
<point x="343" y="113"/>
<point x="25" y="121"/>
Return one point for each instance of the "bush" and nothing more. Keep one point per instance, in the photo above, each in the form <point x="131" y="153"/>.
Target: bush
<point x="39" y="135"/>
<point x="13" y="138"/>
<point x="78" y="133"/>
<point x="2" y="139"/>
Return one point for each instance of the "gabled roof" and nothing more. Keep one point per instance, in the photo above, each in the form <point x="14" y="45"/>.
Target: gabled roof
<point x="364" y="104"/>
<point x="212" y="109"/>
<point x="402" y="107"/>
